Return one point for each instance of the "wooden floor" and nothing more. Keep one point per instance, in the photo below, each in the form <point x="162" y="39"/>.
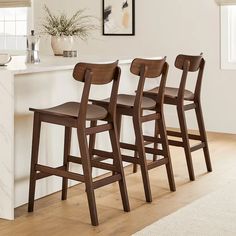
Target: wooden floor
<point x="71" y="217"/>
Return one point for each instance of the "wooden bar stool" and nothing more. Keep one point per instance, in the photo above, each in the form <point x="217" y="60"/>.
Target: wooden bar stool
<point x="186" y="100"/>
<point x="134" y="105"/>
<point x="74" y="115"/>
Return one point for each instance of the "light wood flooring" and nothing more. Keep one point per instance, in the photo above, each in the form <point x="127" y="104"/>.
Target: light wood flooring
<point x="71" y="217"/>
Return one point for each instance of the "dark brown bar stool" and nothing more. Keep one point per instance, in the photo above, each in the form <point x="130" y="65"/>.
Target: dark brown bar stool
<point x="74" y="115"/>
<point x="131" y="105"/>
<point x="186" y="100"/>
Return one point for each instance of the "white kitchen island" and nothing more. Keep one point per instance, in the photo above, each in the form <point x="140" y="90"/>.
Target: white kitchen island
<point x="43" y="85"/>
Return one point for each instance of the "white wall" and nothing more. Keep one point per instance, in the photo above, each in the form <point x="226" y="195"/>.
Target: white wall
<point x="168" y="28"/>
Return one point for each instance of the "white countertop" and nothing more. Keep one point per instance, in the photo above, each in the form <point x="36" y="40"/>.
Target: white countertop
<point x="51" y="63"/>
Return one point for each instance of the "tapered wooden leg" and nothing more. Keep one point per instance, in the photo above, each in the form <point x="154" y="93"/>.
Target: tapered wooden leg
<point x="203" y="135"/>
<point x="135" y="166"/>
<point x="184" y="132"/>
<point x="67" y="145"/>
<point x="118" y="124"/>
<point x="34" y="160"/>
<point x="92" y="139"/>
<point x="142" y="158"/>
<point x="86" y="164"/>
<point x="118" y="129"/>
<point x="166" y="151"/>
<point x="156" y="134"/>
<point x="118" y="163"/>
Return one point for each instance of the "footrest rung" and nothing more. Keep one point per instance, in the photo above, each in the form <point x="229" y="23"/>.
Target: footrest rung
<point x="106" y="181"/>
<point x="98" y="158"/>
<point x="59" y="172"/>
<point x="195" y="137"/>
<point x="189" y="106"/>
<point x="130" y="159"/>
<point x="151" y="139"/>
<point x="175" y="143"/>
<point x="98" y="129"/>
<point x="128" y="146"/>
<point x="101" y="153"/>
<point x="197" y="147"/>
<point x="157" y="163"/>
<point x="174" y="133"/>
<point x="151" y="117"/>
<point x="42" y="175"/>
<point x="94" y="163"/>
<point x="179" y="135"/>
<point x="154" y="151"/>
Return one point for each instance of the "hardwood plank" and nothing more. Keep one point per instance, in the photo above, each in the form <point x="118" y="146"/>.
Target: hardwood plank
<point x="71" y="217"/>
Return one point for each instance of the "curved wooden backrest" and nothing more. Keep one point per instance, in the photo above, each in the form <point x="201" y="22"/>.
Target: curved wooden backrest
<point x="101" y="73"/>
<point x="154" y="67"/>
<point x="194" y="61"/>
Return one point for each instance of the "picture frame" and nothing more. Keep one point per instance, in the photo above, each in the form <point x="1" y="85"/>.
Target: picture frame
<point x="118" y="17"/>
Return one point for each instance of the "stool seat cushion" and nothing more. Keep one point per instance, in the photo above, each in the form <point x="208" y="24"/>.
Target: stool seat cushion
<point x="127" y="101"/>
<point x="173" y="93"/>
<point x="71" y="109"/>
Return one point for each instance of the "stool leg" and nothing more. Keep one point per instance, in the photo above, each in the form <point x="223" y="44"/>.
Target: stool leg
<point x="203" y="135"/>
<point x="135" y="166"/>
<point x="118" y="124"/>
<point x="34" y="160"/>
<point x="184" y="132"/>
<point x="142" y="158"/>
<point x="166" y="150"/>
<point x="86" y="164"/>
<point x="156" y="135"/>
<point x="67" y="145"/>
<point x="92" y="139"/>
<point x="118" y="131"/>
<point x="118" y="163"/>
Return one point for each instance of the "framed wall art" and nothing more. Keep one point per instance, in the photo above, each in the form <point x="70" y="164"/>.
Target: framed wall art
<point x="118" y="17"/>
